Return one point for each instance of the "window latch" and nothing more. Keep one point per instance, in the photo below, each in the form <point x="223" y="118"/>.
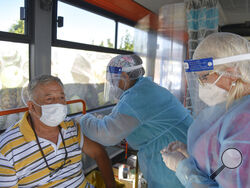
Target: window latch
<point x="59" y="21"/>
<point x="22" y="13"/>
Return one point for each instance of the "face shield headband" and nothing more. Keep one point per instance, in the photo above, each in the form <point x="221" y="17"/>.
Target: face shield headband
<point x="207" y="64"/>
<point x="119" y="70"/>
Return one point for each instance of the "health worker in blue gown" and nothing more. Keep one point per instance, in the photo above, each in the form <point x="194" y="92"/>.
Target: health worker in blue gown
<point x="222" y="125"/>
<point x="147" y="115"/>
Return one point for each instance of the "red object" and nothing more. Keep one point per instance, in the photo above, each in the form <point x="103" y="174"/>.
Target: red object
<point x="126" y="150"/>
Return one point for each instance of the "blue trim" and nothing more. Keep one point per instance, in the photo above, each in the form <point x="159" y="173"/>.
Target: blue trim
<point x="115" y="70"/>
<point x="199" y="65"/>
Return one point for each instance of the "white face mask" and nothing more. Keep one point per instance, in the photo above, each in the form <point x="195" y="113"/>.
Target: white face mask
<point x="212" y="94"/>
<point x="53" y="114"/>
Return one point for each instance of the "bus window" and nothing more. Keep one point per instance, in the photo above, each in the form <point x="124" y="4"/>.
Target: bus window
<point x="83" y="74"/>
<point x="10" y="16"/>
<point x="82" y="26"/>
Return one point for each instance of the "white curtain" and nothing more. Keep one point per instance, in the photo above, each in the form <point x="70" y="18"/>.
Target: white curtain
<point x="164" y="49"/>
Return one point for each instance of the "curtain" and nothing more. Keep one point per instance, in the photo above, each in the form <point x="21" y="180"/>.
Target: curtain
<point x="202" y="19"/>
<point x="164" y="48"/>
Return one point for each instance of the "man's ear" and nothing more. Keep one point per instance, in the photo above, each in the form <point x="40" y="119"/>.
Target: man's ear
<point x="30" y="105"/>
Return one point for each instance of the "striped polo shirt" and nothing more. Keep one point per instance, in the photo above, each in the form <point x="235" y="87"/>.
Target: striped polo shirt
<point x="22" y="164"/>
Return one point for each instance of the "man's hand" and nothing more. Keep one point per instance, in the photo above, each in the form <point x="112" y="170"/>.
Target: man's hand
<point x="98" y="153"/>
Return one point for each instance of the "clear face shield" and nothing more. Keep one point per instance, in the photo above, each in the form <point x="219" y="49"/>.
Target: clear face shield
<point x="113" y="89"/>
<point x="202" y="79"/>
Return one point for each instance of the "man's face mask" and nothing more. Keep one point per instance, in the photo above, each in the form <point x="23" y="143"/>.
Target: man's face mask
<point x="53" y="114"/>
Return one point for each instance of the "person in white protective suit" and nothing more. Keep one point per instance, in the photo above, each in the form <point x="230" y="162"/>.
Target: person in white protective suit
<point x="220" y="84"/>
<point x="147" y="115"/>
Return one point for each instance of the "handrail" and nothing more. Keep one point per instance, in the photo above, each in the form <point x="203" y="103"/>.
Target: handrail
<point x="18" y="110"/>
<point x="77" y="101"/>
<point x="13" y="111"/>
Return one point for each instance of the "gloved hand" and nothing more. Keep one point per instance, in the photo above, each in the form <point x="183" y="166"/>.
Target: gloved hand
<point x="176" y="146"/>
<point x="171" y="159"/>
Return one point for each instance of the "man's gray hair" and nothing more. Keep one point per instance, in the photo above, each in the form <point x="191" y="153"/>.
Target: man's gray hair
<point x="42" y="79"/>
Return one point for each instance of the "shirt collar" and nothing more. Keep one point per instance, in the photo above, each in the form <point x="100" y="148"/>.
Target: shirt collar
<point x="26" y="129"/>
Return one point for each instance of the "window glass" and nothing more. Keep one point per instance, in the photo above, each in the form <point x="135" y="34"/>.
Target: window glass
<point x="141" y="41"/>
<point x="14" y="74"/>
<point x="10" y="16"/>
<point x="168" y="66"/>
<point x="125" y="37"/>
<point x="83" y="74"/>
<point x="85" y="27"/>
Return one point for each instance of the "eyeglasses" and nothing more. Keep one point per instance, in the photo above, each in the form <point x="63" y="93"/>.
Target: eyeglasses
<point x="204" y="77"/>
<point x="52" y="170"/>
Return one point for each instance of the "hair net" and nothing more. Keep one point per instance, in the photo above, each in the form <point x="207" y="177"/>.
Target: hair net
<point x="131" y="64"/>
<point x="128" y="61"/>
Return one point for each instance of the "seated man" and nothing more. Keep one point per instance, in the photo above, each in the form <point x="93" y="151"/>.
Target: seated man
<point x="43" y="149"/>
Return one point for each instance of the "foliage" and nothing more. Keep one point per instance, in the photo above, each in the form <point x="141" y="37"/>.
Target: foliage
<point x="127" y="42"/>
<point x="110" y="44"/>
<point x="102" y="44"/>
<point x="17" y="27"/>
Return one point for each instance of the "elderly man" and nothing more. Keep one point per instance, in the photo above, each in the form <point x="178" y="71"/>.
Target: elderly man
<point x="43" y="149"/>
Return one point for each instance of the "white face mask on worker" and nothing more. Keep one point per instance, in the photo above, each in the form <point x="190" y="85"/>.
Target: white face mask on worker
<point x="53" y="114"/>
<point x="211" y="94"/>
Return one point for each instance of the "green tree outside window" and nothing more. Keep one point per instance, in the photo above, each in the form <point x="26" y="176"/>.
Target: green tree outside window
<point x="18" y="27"/>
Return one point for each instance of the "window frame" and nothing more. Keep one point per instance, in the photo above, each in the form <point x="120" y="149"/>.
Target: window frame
<point x="27" y="37"/>
<point x="88" y="47"/>
<point x="83" y="46"/>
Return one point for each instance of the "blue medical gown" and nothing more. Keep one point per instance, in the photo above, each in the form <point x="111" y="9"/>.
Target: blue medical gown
<point x="215" y="130"/>
<point x="158" y="118"/>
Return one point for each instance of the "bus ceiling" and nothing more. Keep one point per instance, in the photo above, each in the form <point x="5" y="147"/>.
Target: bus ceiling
<point x="234" y="15"/>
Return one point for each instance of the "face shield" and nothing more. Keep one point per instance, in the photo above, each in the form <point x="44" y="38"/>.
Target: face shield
<point x="112" y="88"/>
<point x="202" y="79"/>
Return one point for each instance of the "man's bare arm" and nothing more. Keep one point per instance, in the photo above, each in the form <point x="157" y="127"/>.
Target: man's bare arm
<point x="99" y="154"/>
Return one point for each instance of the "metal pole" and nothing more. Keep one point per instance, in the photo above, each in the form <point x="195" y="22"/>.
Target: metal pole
<point x="136" y="172"/>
